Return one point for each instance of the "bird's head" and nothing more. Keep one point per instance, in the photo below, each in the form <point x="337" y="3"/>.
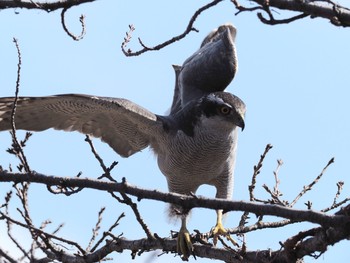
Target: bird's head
<point x="224" y="109"/>
<point x="215" y="111"/>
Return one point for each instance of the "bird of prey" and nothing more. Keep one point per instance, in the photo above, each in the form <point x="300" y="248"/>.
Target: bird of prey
<point x="195" y="144"/>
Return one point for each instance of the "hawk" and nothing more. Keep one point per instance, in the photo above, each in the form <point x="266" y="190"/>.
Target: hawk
<point x="195" y="144"/>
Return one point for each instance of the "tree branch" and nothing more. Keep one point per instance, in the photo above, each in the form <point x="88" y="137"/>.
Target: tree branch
<point x="309" y="187"/>
<point x="290" y="252"/>
<point x="82" y="22"/>
<point x="189" y="28"/>
<point x="7" y="257"/>
<point x="338" y="15"/>
<point x="293" y="248"/>
<point x="187" y="202"/>
<point x="46" y="6"/>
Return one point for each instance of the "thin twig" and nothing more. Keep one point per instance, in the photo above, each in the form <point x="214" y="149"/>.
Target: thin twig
<point x="127" y="38"/>
<point x="335" y="203"/>
<point x="67" y="191"/>
<point x="277" y="181"/>
<point x="96" y="229"/>
<point x="273" y="21"/>
<point x="60" y="226"/>
<point x="9" y="226"/>
<point x="334" y="206"/>
<point x="16" y="145"/>
<point x="7" y="257"/>
<point x="257" y="169"/>
<point x="61" y="189"/>
<point x="8" y="197"/>
<point x="14" y="240"/>
<point x="339" y="189"/>
<point x="309" y="187"/>
<point x="127" y="200"/>
<point x="241" y="8"/>
<point x="275" y="193"/>
<point x="259" y="225"/>
<point x="105" y="234"/>
<point x="82" y="22"/>
<point x="106" y="170"/>
<point x="189" y="29"/>
<point x="41" y="232"/>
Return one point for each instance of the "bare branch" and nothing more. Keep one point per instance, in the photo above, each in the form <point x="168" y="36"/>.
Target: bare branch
<point x="273" y="21"/>
<point x="335" y="203"/>
<point x="338" y="15"/>
<point x="189" y="29"/>
<point x="96" y="229"/>
<point x="125" y="198"/>
<point x="82" y="22"/>
<point x="293" y="248"/>
<point x="127" y="38"/>
<point x="309" y="187"/>
<point x="187" y="202"/>
<point x="17" y="147"/>
<point x="105" y="234"/>
<point x="7" y="257"/>
<point x="46" y="6"/>
<point x="312" y="240"/>
<point x="275" y="193"/>
<point x="41" y="232"/>
<point x="14" y="240"/>
<point x="9" y="225"/>
<point x="106" y="170"/>
<point x="277" y="181"/>
<point x="241" y="8"/>
<point x="257" y="169"/>
<point x="259" y="225"/>
<point x="340" y="188"/>
<point x="251" y="187"/>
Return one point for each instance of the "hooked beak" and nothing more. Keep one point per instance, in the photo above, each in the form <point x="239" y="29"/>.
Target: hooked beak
<point x="240" y="121"/>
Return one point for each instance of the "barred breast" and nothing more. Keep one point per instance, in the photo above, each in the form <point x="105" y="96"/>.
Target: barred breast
<point x="206" y="158"/>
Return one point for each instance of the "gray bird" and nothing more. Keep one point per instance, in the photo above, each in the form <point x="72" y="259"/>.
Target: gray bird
<point x="195" y="144"/>
<point x="209" y="70"/>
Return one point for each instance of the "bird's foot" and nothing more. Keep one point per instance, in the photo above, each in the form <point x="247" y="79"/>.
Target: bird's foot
<point x="219" y="230"/>
<point x="184" y="244"/>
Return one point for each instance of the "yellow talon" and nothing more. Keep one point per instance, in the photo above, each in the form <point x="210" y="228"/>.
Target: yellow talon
<point x="219" y="230"/>
<point x="184" y="244"/>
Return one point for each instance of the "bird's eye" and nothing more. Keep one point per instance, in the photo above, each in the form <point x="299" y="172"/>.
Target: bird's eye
<point x="225" y="110"/>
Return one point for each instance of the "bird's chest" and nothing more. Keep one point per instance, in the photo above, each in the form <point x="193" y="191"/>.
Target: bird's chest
<point x="200" y="158"/>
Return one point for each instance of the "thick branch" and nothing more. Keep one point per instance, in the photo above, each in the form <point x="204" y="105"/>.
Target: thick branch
<point x="338" y="15"/>
<point x="187" y="202"/>
<point x="169" y="245"/>
<point x="318" y="242"/>
<point x="47" y="6"/>
<point x="288" y="254"/>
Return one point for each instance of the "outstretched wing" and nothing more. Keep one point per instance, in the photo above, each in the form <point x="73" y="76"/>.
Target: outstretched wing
<point x="211" y="68"/>
<point x="125" y="126"/>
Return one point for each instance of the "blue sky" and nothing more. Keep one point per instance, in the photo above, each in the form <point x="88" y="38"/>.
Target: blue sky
<point x="293" y="79"/>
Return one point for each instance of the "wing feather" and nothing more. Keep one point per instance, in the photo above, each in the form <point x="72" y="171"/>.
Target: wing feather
<point x="212" y="67"/>
<point x="124" y="125"/>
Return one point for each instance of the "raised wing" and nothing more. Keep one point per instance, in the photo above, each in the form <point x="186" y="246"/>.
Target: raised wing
<point x="209" y="69"/>
<point x="122" y="124"/>
<point x="176" y="105"/>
